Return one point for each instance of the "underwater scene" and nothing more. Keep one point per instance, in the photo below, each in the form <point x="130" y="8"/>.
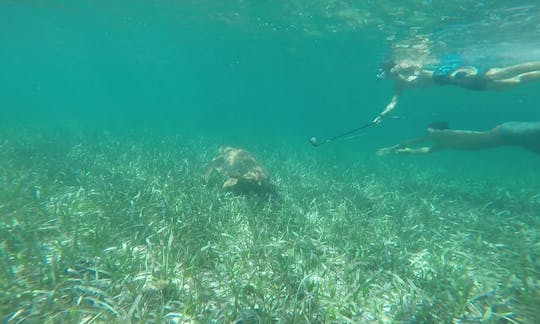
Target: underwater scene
<point x="287" y="161"/>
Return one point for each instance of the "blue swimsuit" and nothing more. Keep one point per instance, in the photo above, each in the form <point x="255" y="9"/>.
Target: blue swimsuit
<point x="449" y="64"/>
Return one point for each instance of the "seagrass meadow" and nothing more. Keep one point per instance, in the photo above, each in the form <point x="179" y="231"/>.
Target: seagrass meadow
<point x="112" y="111"/>
<point x="100" y="227"/>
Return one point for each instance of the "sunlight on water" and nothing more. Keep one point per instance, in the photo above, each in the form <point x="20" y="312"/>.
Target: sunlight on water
<point x="434" y="26"/>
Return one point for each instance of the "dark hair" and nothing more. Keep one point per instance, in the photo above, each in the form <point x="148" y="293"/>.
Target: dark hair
<point x="384" y="67"/>
<point x="387" y="64"/>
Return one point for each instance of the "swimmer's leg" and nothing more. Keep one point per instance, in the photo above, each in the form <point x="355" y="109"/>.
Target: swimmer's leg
<point x="529" y="76"/>
<point x="518" y="79"/>
<point x="512" y="71"/>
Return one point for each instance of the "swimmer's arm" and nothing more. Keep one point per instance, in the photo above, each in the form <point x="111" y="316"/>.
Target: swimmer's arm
<point x="401" y="149"/>
<point x="418" y="150"/>
<point x="389" y="107"/>
<point x="421" y="80"/>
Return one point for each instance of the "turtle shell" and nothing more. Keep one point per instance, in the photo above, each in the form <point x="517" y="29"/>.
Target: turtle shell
<point x="238" y="165"/>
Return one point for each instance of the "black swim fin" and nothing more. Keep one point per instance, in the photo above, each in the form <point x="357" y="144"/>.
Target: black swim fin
<point x="440" y="125"/>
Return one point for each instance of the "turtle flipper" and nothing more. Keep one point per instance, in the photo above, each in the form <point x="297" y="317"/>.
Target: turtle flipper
<point x="231" y="182"/>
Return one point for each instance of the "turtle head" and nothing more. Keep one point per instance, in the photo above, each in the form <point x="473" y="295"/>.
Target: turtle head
<point x="225" y="149"/>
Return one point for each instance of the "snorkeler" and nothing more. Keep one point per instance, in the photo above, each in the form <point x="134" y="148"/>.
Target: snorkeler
<point x="452" y="71"/>
<point x="523" y="134"/>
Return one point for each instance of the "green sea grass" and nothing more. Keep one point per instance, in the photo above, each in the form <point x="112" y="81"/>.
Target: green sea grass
<point x="100" y="228"/>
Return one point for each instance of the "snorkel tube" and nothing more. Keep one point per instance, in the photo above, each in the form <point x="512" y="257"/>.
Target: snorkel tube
<point x="380" y="73"/>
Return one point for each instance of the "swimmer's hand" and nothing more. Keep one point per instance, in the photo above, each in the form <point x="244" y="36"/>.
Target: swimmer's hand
<point x="396" y="149"/>
<point x="383" y="152"/>
<point x="402" y="149"/>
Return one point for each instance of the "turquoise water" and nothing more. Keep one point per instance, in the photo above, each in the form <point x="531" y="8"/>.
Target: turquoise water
<point x="278" y="73"/>
<point x="266" y="76"/>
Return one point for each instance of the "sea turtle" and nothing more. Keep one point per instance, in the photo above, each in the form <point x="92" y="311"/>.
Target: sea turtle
<point x="242" y="170"/>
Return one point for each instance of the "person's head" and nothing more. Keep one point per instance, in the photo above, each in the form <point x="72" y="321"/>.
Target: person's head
<point x="384" y="68"/>
<point x="437" y="126"/>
